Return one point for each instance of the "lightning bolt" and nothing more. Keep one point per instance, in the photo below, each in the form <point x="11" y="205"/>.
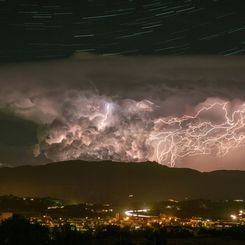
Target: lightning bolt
<point x="214" y="127"/>
<point x="102" y="123"/>
<point x="175" y="137"/>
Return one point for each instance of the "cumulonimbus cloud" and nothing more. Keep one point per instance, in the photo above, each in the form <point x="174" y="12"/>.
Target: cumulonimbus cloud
<point x="129" y="109"/>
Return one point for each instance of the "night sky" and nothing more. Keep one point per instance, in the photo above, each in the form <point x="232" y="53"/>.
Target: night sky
<point x="128" y="81"/>
<point x="54" y="29"/>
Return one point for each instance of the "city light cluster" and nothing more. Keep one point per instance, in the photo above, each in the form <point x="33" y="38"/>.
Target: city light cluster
<point x="141" y="213"/>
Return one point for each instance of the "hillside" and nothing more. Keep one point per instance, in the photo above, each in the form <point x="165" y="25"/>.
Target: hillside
<point x="113" y="182"/>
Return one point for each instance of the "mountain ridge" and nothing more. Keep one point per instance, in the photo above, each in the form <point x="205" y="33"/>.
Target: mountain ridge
<point x="108" y="181"/>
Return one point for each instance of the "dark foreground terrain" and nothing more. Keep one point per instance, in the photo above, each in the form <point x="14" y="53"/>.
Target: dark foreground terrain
<point x="119" y="182"/>
<point x="18" y="230"/>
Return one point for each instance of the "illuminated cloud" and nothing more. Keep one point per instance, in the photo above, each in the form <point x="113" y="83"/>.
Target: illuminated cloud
<point x="129" y="109"/>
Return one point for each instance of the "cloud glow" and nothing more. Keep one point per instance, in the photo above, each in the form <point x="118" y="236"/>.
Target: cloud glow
<point x="99" y="109"/>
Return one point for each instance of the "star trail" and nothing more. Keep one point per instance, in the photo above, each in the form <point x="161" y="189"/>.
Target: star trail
<point x="122" y="80"/>
<point x="54" y="29"/>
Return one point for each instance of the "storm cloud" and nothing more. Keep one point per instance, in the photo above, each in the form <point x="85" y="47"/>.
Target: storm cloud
<point x="96" y="108"/>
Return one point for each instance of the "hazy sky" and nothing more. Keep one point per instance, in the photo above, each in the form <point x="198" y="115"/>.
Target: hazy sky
<point x="179" y="111"/>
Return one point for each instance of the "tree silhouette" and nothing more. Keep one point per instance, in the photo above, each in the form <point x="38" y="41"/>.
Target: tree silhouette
<point x="69" y="235"/>
<point x="19" y="231"/>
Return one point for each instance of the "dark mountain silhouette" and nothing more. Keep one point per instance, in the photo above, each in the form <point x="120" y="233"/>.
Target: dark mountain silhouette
<point x="113" y="182"/>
